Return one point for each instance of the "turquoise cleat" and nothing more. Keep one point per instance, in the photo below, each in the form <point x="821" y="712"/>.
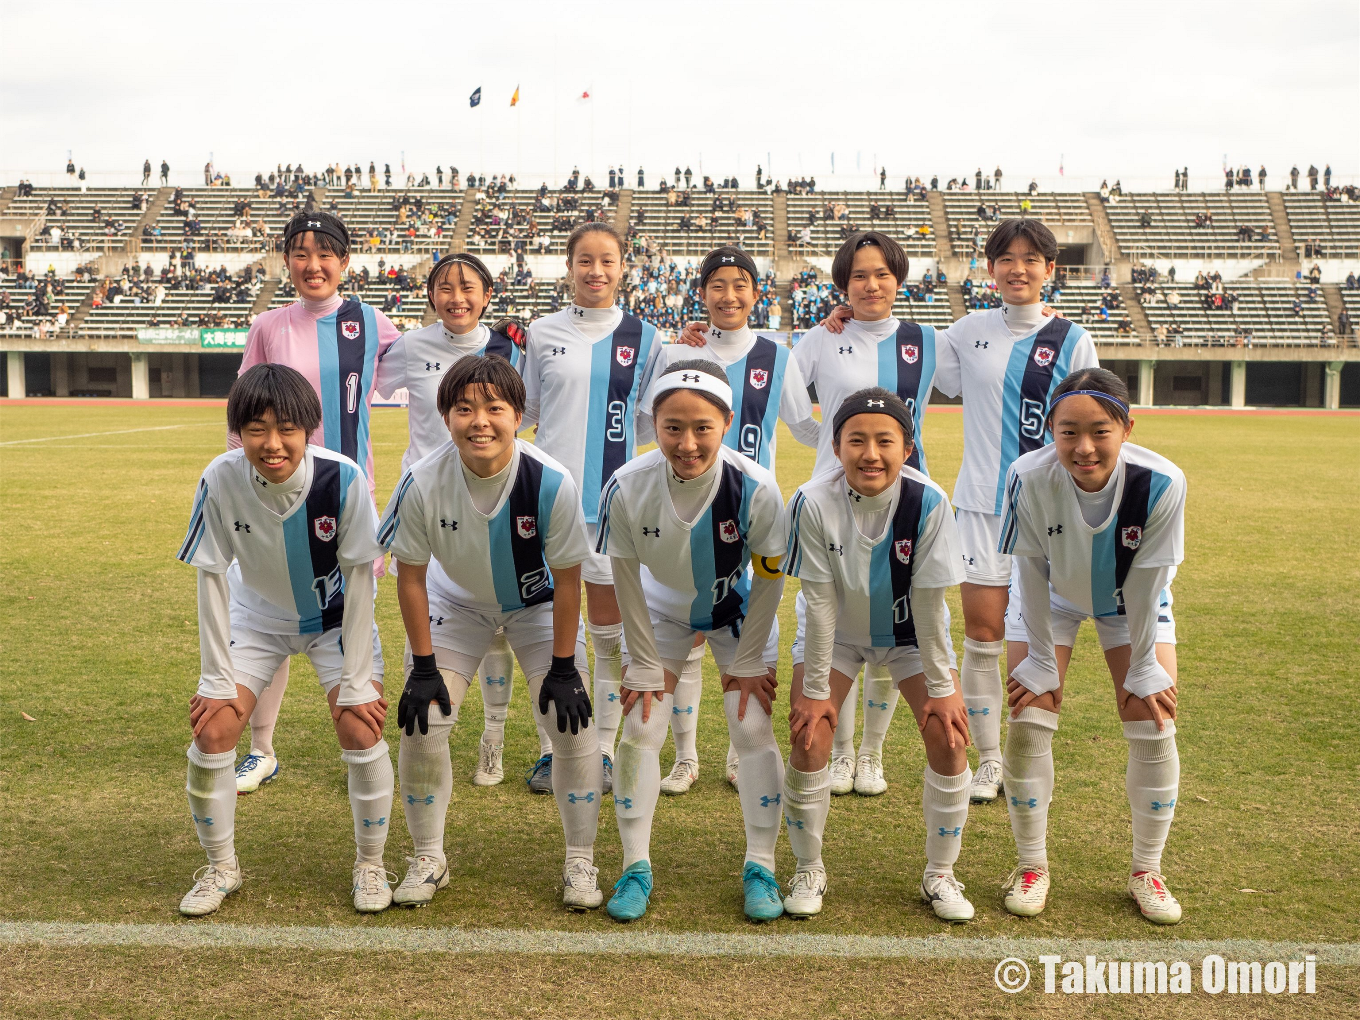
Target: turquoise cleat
<point x="631" y="892"/>
<point x="763" y="900"/>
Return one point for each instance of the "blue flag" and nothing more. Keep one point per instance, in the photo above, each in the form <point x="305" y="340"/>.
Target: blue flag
<point x="476" y="97"/>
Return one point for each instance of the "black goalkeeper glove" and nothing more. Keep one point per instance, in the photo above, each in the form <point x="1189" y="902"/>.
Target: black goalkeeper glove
<point x="514" y="329"/>
<point x="564" y="686"/>
<point x="423" y="685"/>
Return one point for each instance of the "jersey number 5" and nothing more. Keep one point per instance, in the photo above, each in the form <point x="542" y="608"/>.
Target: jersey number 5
<point x="1032" y="419"/>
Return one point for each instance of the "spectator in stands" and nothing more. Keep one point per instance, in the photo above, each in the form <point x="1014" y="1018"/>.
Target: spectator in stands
<point x="1312" y="177"/>
<point x="1352" y="283"/>
<point x="642" y="183"/>
<point x="1177" y="185"/>
<point x="1343" y="324"/>
<point x="1326" y="177"/>
<point x="1261" y="177"/>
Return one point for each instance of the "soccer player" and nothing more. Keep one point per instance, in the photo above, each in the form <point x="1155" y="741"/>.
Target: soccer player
<point x="282" y="536"/>
<point x="503" y="521"/>
<point x="1096" y="526"/>
<point x="585" y="368"/>
<point x="682" y="526"/>
<point x="875" y="547"/>
<point x="459" y="290"/>
<point x="335" y="342"/>
<point x="767" y="386"/>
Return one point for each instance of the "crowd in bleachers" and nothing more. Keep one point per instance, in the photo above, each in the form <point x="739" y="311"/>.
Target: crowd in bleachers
<point x="38" y="303"/>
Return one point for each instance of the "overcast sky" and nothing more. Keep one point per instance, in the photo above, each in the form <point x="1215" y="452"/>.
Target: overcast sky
<point x="1126" y="90"/>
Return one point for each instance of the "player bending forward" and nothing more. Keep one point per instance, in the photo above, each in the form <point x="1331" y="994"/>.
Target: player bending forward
<point x="299" y="523"/>
<point x="1097" y="527"/>
<point x="681" y="526"/>
<point x="503" y="522"/>
<point x="875" y="546"/>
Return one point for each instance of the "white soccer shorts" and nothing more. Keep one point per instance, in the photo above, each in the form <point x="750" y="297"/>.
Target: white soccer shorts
<point x="800" y="611"/>
<point x="461" y="636"/>
<point x="1113" y="631"/>
<point x="256" y="656"/>
<point x="674" y="640"/>
<point x="978" y="538"/>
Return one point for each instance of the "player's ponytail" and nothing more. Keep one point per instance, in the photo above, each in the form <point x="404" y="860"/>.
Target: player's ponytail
<point x="1098" y="383"/>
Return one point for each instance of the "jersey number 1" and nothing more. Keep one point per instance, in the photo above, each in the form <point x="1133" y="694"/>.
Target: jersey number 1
<point x="352" y="392"/>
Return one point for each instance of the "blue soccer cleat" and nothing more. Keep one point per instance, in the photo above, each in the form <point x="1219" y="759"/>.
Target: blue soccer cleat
<point x="254" y="771"/>
<point x="607" y="780"/>
<point x="632" y="892"/>
<point x="763" y="899"/>
<point x="540" y="776"/>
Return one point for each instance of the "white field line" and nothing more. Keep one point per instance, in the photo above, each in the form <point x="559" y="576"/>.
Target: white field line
<point x="341" y="938"/>
<point x="115" y="432"/>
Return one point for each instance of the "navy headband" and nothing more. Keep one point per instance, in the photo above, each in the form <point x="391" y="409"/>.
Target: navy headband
<point x="320" y="224"/>
<point x="868" y="403"/>
<point x="1110" y="397"/>
<point x="728" y="255"/>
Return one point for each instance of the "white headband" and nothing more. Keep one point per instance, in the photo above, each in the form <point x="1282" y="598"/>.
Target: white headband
<point x="691" y="380"/>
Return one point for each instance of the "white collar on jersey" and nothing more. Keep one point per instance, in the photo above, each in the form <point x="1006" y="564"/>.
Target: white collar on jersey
<point x="581" y="316"/>
<point x="728" y="341"/>
<point x="1022" y="320"/>
<point x="289" y="485"/>
<point x="879" y="328"/>
<point x="863" y="504"/>
<point x="472" y="336"/>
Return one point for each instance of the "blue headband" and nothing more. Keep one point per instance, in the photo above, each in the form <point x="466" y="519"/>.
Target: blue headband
<point x="1110" y="397"/>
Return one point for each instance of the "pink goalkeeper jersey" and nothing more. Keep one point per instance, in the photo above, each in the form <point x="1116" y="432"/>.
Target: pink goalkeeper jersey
<point x="338" y="349"/>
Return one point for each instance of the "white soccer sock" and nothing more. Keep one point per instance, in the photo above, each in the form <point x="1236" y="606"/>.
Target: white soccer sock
<point x="370" y="799"/>
<point x="637" y="778"/>
<point x="685" y="715"/>
<point x="1152" y="782"/>
<point x="843" y="740"/>
<point x="944" y="801"/>
<point x="497" y="676"/>
<point x="762" y="776"/>
<point x="426" y="783"/>
<point x="576" y="776"/>
<point x="545" y="746"/>
<point x="1027" y="770"/>
<point x="607" y="639"/>
<point x="266" y="712"/>
<point x="211" y="786"/>
<point x="880" y="702"/>
<point x="983" y="695"/>
<point x="807" y="802"/>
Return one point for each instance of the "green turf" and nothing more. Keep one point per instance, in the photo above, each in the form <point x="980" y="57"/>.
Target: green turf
<point x="99" y="640"/>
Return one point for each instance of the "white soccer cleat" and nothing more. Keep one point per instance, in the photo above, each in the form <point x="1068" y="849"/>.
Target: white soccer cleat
<point x="869" y="781"/>
<point x="490" y="769"/>
<point x="254" y="771"/>
<point x="842" y="775"/>
<point x="372" y="888"/>
<point x="580" y="885"/>
<point x="806" y="889"/>
<point x="1027" y="891"/>
<point x="944" y="893"/>
<point x="1154" y="899"/>
<point x="986" y="783"/>
<point x="424" y="877"/>
<point x="682" y="777"/>
<point x="732" y="763"/>
<point x="212" y="885"/>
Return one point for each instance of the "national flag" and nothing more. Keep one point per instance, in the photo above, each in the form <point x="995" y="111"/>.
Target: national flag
<point x="515" y="98"/>
<point x="476" y="98"/>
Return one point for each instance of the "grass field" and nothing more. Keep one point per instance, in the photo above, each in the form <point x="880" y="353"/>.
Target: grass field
<point x="99" y="639"/>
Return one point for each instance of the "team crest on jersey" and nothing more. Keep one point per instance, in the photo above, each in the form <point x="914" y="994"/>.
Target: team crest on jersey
<point x="911" y="353"/>
<point x="324" y="527"/>
<point x="902" y="547"/>
<point x="624" y="356"/>
<point x="526" y="526"/>
<point x="727" y="530"/>
<point x="1132" y="536"/>
<point x="350" y="330"/>
<point x="1043" y="356"/>
<point x="760" y="378"/>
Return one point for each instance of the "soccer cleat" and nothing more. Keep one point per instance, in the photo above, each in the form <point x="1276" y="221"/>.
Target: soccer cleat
<point x="944" y="893"/>
<point x="986" y="783"/>
<point x="842" y="775"/>
<point x="540" y="776"/>
<point x="682" y="777"/>
<point x="806" y="890"/>
<point x="490" y="768"/>
<point x="372" y="888"/>
<point x="1154" y="899"/>
<point x="607" y="779"/>
<point x="1027" y="891"/>
<point x="869" y="781"/>
<point x="254" y="771"/>
<point x="580" y="888"/>
<point x="761" y="891"/>
<point x="732" y="762"/>
<point x="212" y="885"/>
<point x="424" y="877"/>
<point x="632" y="892"/>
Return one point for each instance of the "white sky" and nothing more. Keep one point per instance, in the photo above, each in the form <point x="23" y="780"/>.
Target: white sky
<point x="1128" y="90"/>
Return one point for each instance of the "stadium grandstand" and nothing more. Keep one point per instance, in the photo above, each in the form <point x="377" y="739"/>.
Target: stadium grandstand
<point x="1235" y="297"/>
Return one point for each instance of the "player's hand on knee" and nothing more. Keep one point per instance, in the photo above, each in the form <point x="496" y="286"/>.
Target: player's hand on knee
<point x="202" y="712"/>
<point x="693" y="334"/>
<point x="1162" y="705"/>
<point x="564" y="687"/>
<point x="632" y="698"/>
<point x="952" y="715"/>
<point x="424" y="684"/>
<point x="370" y="717"/>
<point x="804" y="717"/>
<point x="835" y="322"/>
<point x="762" y="687"/>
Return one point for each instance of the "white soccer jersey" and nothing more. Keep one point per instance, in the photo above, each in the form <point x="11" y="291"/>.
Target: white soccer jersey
<point x="418" y="361"/>
<point x="1006" y="384"/>
<point x="583" y="394"/>
<point x="1087" y="566"/>
<point x="286" y="578"/>
<point x="873" y="578"/>
<point x="699" y="572"/>
<point x="767" y="385"/>
<point x="903" y="361"/>
<point x="491" y="563"/>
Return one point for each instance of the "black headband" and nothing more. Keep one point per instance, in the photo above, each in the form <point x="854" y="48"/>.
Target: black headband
<point x="461" y="259"/>
<point x="327" y="225"/>
<point x="727" y="255"/>
<point x="890" y="405"/>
